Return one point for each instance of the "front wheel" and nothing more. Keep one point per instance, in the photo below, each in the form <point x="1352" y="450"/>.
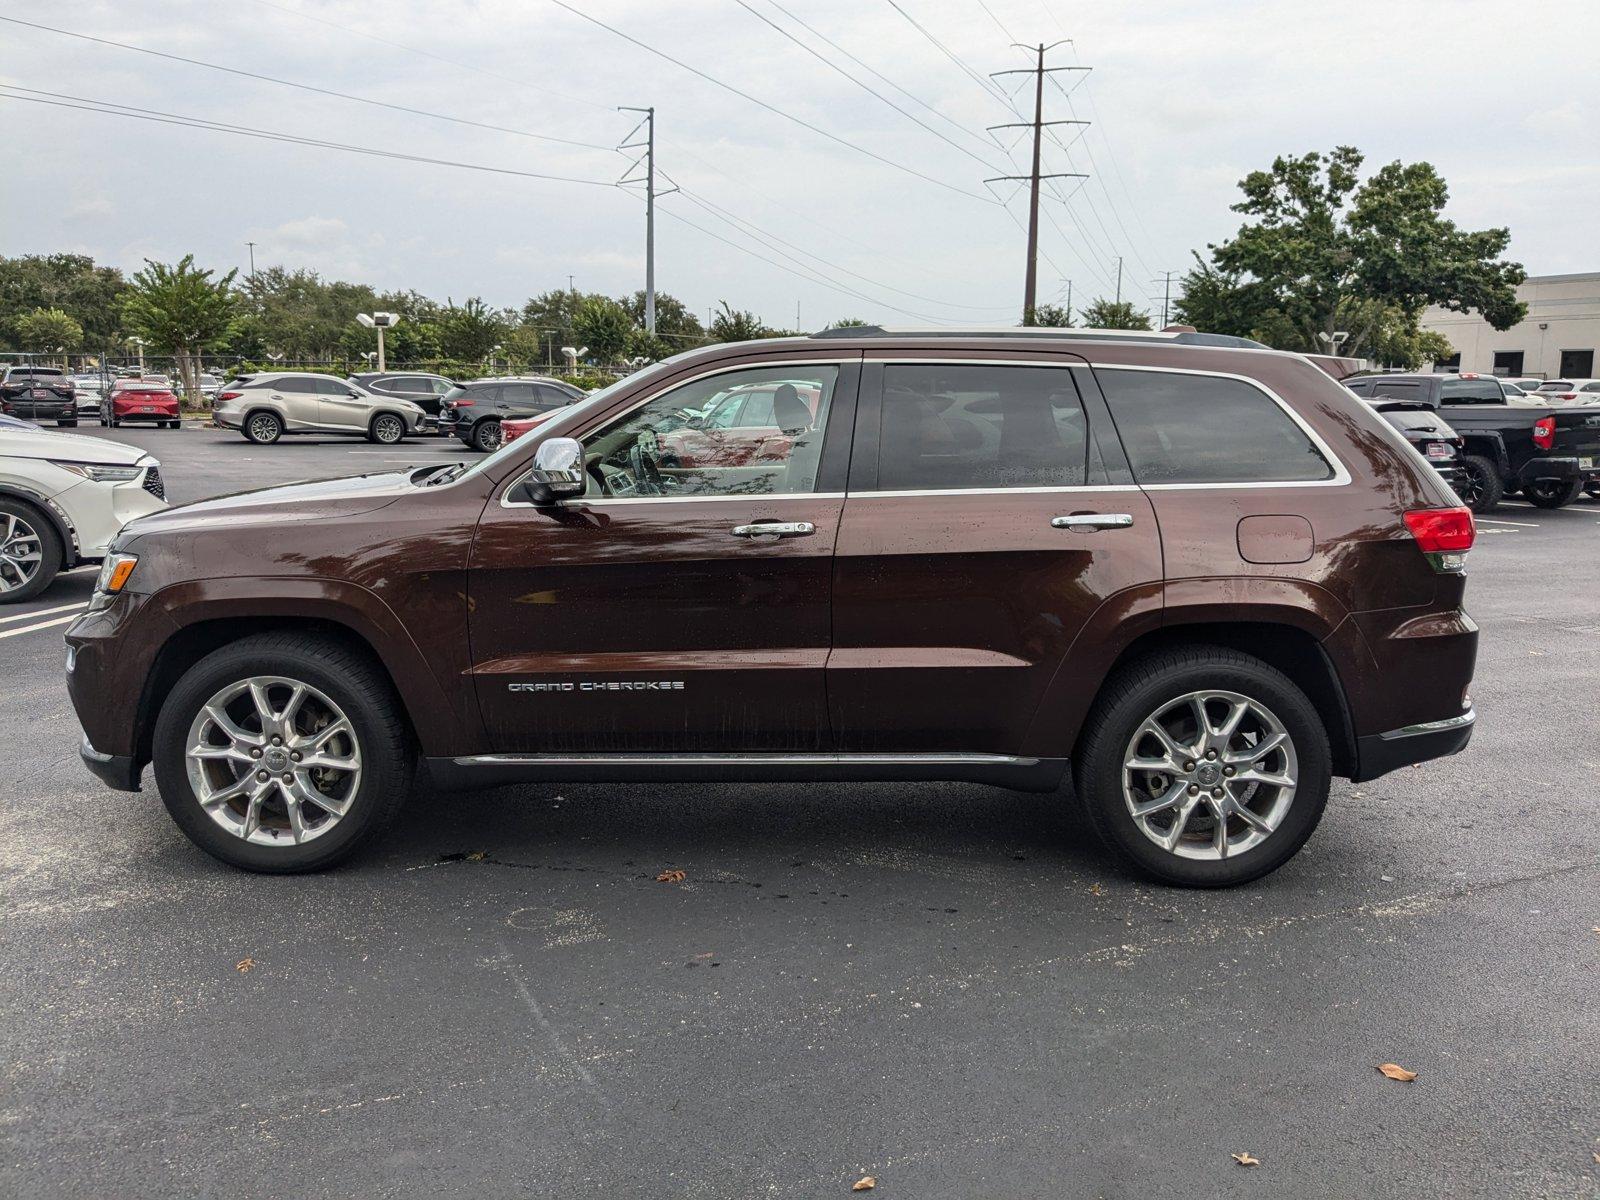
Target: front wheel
<point x="486" y="436"/>
<point x="68" y="424"/>
<point x="282" y="753"/>
<point x="1483" y="488"/>
<point x="386" y="429"/>
<point x="30" y="552"/>
<point x="1552" y="493"/>
<point x="1204" y="766"/>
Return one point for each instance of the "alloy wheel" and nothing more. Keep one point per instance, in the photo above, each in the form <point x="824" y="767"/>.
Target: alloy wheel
<point x="21" y="553"/>
<point x="388" y="430"/>
<point x="264" y="427"/>
<point x="273" y="761"/>
<point x="1209" y="775"/>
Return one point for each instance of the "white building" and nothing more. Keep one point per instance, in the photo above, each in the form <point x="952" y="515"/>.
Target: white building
<point x="1557" y="339"/>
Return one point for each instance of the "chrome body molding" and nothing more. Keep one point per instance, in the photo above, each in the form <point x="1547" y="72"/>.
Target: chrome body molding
<point x="680" y="760"/>
<point x="1461" y="722"/>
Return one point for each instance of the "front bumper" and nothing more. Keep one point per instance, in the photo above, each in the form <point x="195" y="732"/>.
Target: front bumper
<point x="117" y="771"/>
<point x="1381" y="753"/>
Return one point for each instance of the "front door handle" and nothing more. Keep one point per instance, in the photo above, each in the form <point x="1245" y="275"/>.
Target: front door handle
<point x="1093" y="521"/>
<point x="775" y="529"/>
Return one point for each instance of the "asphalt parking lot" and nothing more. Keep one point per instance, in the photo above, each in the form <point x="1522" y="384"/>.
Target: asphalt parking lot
<point x="948" y="988"/>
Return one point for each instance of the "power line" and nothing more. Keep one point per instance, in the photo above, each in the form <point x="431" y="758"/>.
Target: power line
<point x="372" y="37"/>
<point x="912" y="96"/>
<point x="828" y="62"/>
<point x="987" y="85"/>
<point x="107" y="108"/>
<point x="305" y="87"/>
<point x="743" y="95"/>
<point x="750" y="229"/>
<point x="1010" y="37"/>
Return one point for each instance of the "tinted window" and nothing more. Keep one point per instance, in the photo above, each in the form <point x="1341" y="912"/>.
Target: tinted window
<point x="441" y="387"/>
<point x="1412" y="390"/>
<point x="1590" y="387"/>
<point x="1206" y="429"/>
<point x="486" y="394"/>
<point x="1554" y="385"/>
<point x="1472" y="391"/>
<point x="333" y="387"/>
<point x="551" y="397"/>
<point x="980" y="427"/>
<point x="664" y="449"/>
<point x="519" y="395"/>
<point x="295" y="384"/>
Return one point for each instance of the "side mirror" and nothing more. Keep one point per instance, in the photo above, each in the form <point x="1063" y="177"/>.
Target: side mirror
<point x="557" y="472"/>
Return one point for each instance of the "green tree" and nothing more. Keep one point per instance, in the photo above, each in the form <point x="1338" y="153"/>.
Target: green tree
<point x="848" y="323"/>
<point x="1114" y="314"/>
<point x="674" y="321"/>
<point x="49" y="330"/>
<point x="552" y="314"/>
<point x="90" y="295"/>
<point x="182" y="311"/>
<point x="735" y="325"/>
<point x="470" y="331"/>
<point x="1052" y="315"/>
<point x="1320" y="243"/>
<point x="604" y="326"/>
<point x="652" y="348"/>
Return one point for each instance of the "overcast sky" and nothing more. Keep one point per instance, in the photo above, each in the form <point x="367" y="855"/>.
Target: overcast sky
<point x="1185" y="98"/>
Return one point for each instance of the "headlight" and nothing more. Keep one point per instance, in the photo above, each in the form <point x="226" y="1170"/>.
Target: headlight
<point x="101" y="472"/>
<point x="115" y="572"/>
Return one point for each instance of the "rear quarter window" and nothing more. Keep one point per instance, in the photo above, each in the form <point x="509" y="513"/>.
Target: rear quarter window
<point x="1191" y="429"/>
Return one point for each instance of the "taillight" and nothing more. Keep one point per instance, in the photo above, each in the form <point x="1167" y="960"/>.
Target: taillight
<point x="1544" y="431"/>
<point x="230" y="395"/>
<point x="462" y="403"/>
<point x="1444" y="535"/>
<point x="1567" y="396"/>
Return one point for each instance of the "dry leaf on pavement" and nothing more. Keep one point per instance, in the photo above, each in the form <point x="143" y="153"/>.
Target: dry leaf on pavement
<point x="244" y="964"/>
<point x="671" y="877"/>
<point x="865" y="1184"/>
<point x="1247" y="1159"/>
<point x="1396" y="1071"/>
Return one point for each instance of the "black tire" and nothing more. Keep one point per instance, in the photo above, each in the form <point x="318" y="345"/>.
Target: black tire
<point x="262" y="427"/>
<point x="69" y="424"/>
<point x="1593" y="490"/>
<point x="1141" y="689"/>
<point x="39" y="528"/>
<point x="1484" y="485"/>
<point x="386" y="429"/>
<point x="486" y="435"/>
<point x="346" y="677"/>
<point x="1549" y="493"/>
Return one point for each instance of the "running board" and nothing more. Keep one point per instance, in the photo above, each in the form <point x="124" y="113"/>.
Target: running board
<point x="1001" y="770"/>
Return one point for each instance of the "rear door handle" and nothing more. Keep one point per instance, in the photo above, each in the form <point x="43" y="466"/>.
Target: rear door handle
<point x="1093" y="521"/>
<point x="775" y="529"/>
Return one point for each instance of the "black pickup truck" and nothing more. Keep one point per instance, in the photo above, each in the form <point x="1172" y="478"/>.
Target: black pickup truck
<point x="1550" y="455"/>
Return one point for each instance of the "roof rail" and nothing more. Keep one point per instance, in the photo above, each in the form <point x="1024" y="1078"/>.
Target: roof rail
<point x="1052" y="333"/>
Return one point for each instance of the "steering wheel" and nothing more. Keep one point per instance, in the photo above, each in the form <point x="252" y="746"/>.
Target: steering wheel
<point x="642" y="464"/>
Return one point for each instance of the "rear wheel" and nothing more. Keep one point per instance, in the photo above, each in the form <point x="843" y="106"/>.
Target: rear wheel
<point x="1593" y="490"/>
<point x="1483" y="488"/>
<point x="1551" y="493"/>
<point x="486" y="435"/>
<point x="282" y="753"/>
<point x="263" y="428"/>
<point x="68" y="422"/>
<point x="30" y="552"/>
<point x="386" y="429"/>
<point x="1205" y="767"/>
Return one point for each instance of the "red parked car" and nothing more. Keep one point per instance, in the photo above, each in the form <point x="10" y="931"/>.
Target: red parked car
<point x="140" y="400"/>
<point x="511" y="428"/>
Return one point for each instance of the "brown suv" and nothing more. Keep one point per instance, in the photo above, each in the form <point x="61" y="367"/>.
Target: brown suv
<point x="1203" y="577"/>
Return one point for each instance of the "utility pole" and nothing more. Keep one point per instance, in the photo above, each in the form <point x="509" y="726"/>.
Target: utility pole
<point x="1069" y="302"/>
<point x="650" y="194"/>
<point x="252" y="246"/>
<point x="1166" y="294"/>
<point x="1119" y="279"/>
<point x="1038" y="125"/>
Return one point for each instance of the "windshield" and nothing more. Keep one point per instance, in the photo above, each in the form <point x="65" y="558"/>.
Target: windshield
<point x="511" y="449"/>
<point x="1554" y="385"/>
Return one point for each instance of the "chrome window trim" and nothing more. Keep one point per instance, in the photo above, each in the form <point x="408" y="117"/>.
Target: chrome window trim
<point x="1017" y="491"/>
<point x="827" y="360"/>
<point x="1340" y="478"/>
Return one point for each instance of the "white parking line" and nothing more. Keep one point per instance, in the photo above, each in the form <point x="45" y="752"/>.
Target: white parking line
<point x="1517" y="524"/>
<point x="41" y="625"/>
<point x="43" y="612"/>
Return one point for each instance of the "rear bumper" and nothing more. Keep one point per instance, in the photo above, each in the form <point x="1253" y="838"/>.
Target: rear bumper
<point x="1384" y="752"/>
<point x="117" y="771"/>
<point x="1561" y="470"/>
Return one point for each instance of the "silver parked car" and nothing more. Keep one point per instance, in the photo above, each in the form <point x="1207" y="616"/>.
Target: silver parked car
<point x="264" y="407"/>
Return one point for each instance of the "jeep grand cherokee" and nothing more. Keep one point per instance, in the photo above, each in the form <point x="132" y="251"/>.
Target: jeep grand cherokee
<point x="1198" y="579"/>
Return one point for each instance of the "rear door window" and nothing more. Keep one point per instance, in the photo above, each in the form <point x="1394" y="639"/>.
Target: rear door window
<point x="296" y="384"/>
<point x="957" y="426"/>
<point x="519" y="395"/>
<point x="1207" y="429"/>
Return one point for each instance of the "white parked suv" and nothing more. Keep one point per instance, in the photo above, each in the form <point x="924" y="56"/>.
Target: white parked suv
<point x="265" y="407"/>
<point x="63" y="497"/>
